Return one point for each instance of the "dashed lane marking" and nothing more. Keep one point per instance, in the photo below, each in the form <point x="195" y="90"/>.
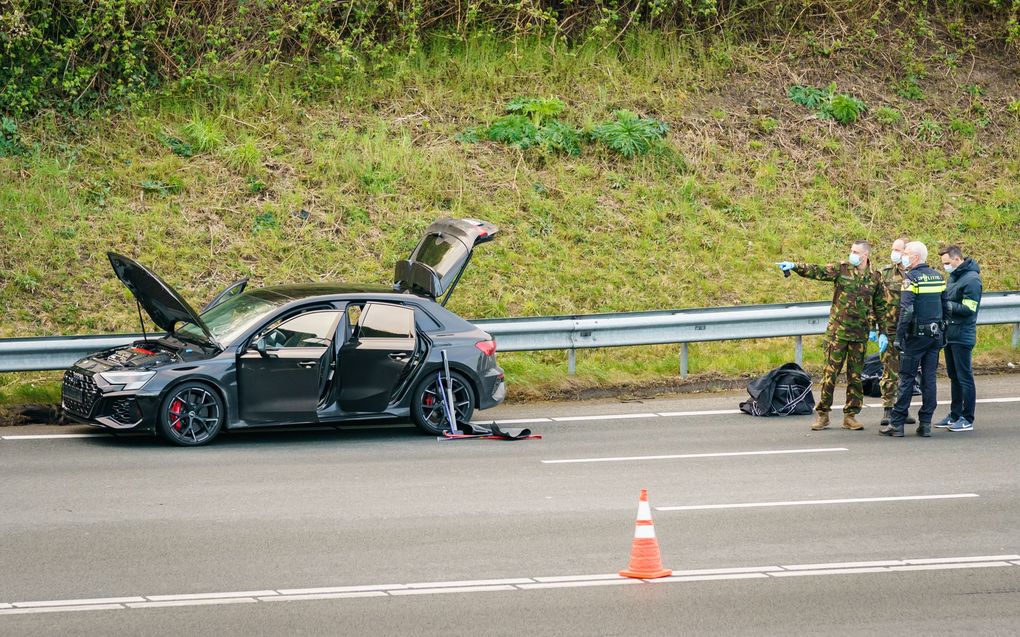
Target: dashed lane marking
<point x="787" y="503"/>
<point x="688" y="456"/>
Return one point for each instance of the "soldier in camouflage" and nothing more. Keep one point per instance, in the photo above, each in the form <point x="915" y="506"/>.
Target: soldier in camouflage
<point x="892" y="278"/>
<point x="859" y="295"/>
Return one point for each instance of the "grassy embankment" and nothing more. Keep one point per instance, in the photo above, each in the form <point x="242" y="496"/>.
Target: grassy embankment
<point x="292" y="181"/>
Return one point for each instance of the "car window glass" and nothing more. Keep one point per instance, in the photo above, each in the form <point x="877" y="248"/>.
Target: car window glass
<point x="425" y="322"/>
<point x="439" y="252"/>
<point x="305" y="330"/>
<point x="386" y="321"/>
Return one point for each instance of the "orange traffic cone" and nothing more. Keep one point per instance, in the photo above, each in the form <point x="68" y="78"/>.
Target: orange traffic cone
<point x="645" y="561"/>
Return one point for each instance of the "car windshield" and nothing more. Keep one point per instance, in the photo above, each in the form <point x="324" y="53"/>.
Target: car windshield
<point x="231" y="318"/>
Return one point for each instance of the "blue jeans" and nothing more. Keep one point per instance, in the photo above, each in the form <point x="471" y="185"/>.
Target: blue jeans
<point x="961" y="378"/>
<point x="923" y="352"/>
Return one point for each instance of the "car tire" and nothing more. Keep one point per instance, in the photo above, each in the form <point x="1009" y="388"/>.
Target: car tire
<point x="427" y="410"/>
<point x="190" y="415"/>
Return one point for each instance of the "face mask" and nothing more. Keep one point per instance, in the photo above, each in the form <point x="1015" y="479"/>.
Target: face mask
<point x="855" y="260"/>
<point x="905" y="261"/>
<point x="896" y="256"/>
<point x="949" y="268"/>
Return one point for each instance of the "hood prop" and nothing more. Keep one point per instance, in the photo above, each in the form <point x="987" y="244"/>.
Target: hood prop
<point x="138" y="304"/>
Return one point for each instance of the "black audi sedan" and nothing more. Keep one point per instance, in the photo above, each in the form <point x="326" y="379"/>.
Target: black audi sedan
<point x="297" y="354"/>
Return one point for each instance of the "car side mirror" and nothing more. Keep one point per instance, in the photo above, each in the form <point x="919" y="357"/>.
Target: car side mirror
<point x="260" y="347"/>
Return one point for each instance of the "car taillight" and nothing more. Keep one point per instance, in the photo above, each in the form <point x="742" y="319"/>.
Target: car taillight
<point x="487" y="347"/>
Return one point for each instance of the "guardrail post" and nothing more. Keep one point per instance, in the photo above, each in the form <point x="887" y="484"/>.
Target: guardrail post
<point x="571" y="362"/>
<point x="683" y="360"/>
<point x="1016" y="335"/>
<point x="798" y="350"/>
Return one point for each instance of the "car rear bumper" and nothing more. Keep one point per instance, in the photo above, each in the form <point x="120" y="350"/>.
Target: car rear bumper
<point x="493" y="390"/>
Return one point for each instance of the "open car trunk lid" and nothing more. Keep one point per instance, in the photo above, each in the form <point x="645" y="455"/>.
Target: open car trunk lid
<point x="437" y="263"/>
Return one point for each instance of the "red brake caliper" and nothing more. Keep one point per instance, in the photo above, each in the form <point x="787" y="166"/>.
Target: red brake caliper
<point x="175" y="414"/>
<point x="429" y="401"/>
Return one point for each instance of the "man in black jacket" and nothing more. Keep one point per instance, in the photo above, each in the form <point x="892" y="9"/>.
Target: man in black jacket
<point x="963" y="295"/>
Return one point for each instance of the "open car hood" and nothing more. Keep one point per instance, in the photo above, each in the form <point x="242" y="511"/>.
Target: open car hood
<point x="438" y="261"/>
<point x="162" y="303"/>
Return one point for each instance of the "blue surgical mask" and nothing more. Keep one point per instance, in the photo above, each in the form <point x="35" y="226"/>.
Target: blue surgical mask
<point x="949" y="268"/>
<point x="855" y="260"/>
<point x="905" y="261"/>
<point x="897" y="256"/>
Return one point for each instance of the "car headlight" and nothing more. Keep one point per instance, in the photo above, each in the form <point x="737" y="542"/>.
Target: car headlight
<point x="130" y="380"/>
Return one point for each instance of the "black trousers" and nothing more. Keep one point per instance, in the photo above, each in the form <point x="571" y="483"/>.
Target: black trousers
<point x="923" y="352"/>
<point x="961" y="378"/>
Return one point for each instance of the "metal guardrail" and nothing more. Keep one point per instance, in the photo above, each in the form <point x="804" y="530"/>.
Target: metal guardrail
<point x="567" y="332"/>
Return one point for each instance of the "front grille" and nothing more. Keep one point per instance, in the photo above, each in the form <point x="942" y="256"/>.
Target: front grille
<point x="125" y="411"/>
<point x="80" y="393"/>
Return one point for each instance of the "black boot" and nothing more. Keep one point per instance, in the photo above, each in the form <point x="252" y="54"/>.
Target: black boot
<point x="909" y="420"/>
<point x="895" y="431"/>
<point x="886" y="415"/>
<point x="924" y="430"/>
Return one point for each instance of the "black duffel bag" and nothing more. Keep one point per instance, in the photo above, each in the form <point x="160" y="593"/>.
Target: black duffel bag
<point x="785" y="391"/>
<point x="871" y="377"/>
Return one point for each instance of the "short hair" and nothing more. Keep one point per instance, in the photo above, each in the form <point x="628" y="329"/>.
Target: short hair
<point x="917" y="248"/>
<point x="952" y="250"/>
<point x="864" y="245"/>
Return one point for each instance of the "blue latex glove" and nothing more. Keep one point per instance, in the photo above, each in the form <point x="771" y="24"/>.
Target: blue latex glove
<point x="873" y="336"/>
<point x="786" y="266"/>
<point x="883" y="343"/>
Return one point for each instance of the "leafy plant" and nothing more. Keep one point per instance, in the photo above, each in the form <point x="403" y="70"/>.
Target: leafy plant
<point x="888" y="116"/>
<point x="767" y="124"/>
<point x="179" y="147"/>
<point x="829" y="104"/>
<point x="1014" y="108"/>
<point x="265" y="221"/>
<point x="909" y="89"/>
<point x="963" y="127"/>
<point x="538" y="109"/>
<point x="628" y="134"/>
<point x="10" y="140"/>
<point x="514" y="130"/>
<point x="809" y="96"/>
<point x="559" y="137"/>
<point x="929" y="130"/>
<point x="845" y="109"/>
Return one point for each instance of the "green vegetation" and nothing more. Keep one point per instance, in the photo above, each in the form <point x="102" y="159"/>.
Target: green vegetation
<point x="329" y="167"/>
<point x="829" y="104"/>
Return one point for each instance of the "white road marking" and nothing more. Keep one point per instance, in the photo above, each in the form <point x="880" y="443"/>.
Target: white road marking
<point x="508" y="584"/>
<point x="195" y="602"/>
<point x="685" y="456"/>
<point x="60" y="609"/>
<point x="512" y="421"/>
<point x="748" y="505"/>
<point x="603" y="417"/>
<point x="939" y="567"/>
<point x="452" y="589"/>
<point x="710" y="412"/>
<point x="189" y="596"/>
<point x="580" y="584"/>
<point x="55" y="436"/>
<point x="79" y="602"/>
<point x="480" y="582"/>
<point x="339" y="589"/>
<point x="320" y="596"/>
<point x="705" y="578"/>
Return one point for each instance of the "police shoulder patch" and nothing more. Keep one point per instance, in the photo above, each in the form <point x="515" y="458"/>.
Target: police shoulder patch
<point x="906" y="285"/>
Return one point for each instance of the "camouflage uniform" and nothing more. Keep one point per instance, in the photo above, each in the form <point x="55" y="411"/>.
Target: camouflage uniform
<point x="892" y="278"/>
<point x="859" y="296"/>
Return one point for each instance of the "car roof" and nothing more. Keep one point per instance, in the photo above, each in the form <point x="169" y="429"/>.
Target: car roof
<point x="299" y="291"/>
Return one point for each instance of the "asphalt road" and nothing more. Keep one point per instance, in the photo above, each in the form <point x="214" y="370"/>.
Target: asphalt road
<point x="383" y="531"/>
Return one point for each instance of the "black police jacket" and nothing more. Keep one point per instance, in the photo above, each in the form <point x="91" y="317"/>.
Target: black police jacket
<point x="963" y="295"/>
<point x="921" y="300"/>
